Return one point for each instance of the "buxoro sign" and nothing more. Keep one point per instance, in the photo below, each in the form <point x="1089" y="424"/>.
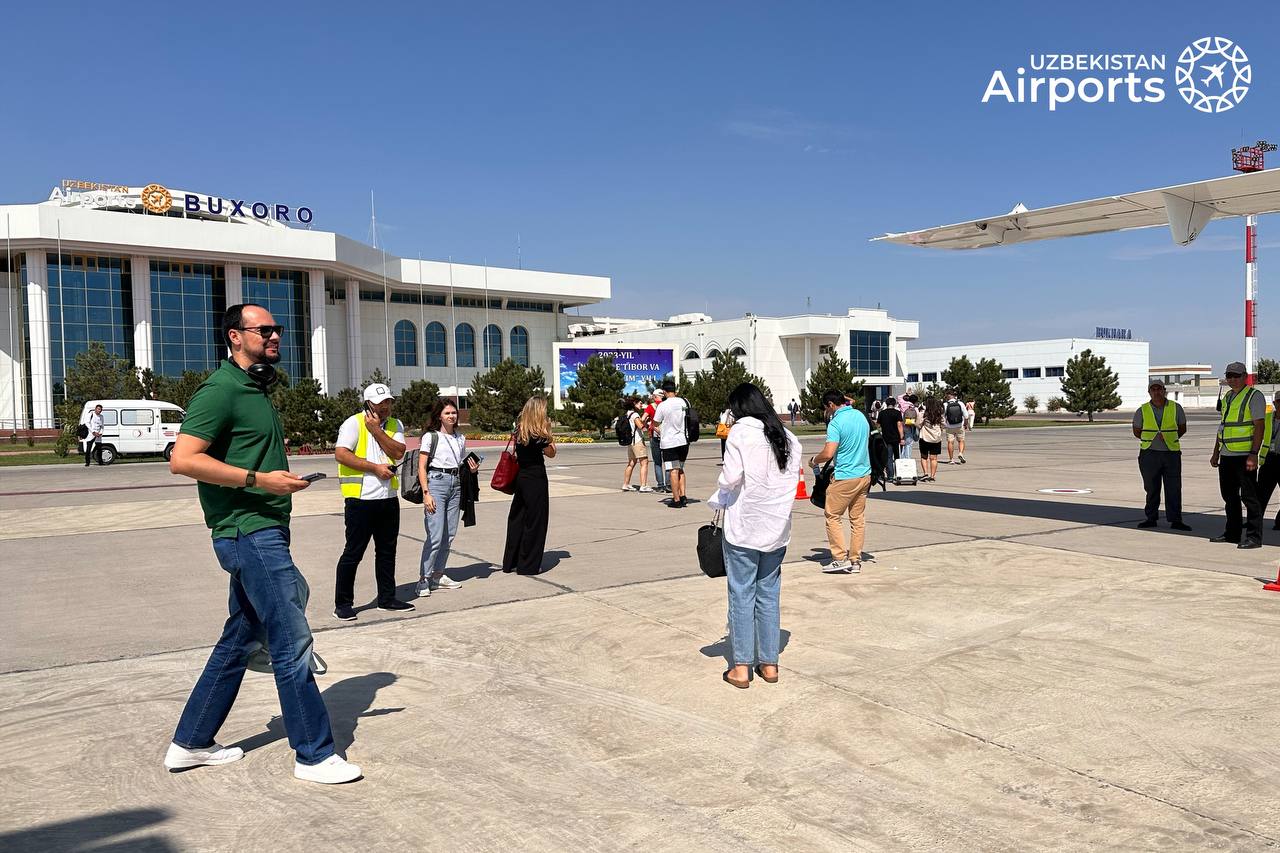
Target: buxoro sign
<point x="1212" y="74"/>
<point x="158" y="199"/>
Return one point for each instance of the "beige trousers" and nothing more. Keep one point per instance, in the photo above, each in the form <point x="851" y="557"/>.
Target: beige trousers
<point x="847" y="496"/>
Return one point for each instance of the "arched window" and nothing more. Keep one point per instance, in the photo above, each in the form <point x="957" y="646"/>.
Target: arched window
<point x="520" y="346"/>
<point x="464" y="344"/>
<point x="406" y="337"/>
<point x="492" y="345"/>
<point x="437" y="345"/>
<point x="737" y="352"/>
<point x="691" y="355"/>
<point x="713" y="353"/>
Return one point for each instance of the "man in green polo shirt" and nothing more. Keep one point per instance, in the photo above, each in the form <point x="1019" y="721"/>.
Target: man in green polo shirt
<point x="232" y="444"/>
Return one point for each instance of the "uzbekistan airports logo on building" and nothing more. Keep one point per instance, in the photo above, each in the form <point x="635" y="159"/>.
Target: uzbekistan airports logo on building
<point x="156" y="198"/>
<point x="1212" y="74"/>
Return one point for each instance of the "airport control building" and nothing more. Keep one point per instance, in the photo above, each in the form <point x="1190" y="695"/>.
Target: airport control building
<point x="149" y="270"/>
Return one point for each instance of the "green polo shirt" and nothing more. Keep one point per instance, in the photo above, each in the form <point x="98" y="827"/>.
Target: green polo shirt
<point x="243" y="429"/>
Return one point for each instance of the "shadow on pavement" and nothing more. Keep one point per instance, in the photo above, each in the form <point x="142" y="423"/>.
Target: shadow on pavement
<point x="347" y="701"/>
<point x="551" y="559"/>
<point x="92" y="834"/>
<point x="721" y="649"/>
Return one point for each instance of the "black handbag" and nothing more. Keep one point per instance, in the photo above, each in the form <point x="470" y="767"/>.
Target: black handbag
<point x="821" y="480"/>
<point x="711" y="548"/>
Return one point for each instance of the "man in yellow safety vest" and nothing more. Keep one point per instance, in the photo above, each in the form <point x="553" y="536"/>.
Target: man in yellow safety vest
<point x="1269" y="473"/>
<point x="369" y="445"/>
<point x="1240" y="446"/>
<point x="1158" y="425"/>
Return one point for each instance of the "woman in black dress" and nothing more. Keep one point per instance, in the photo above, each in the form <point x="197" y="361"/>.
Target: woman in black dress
<point x="531" y="505"/>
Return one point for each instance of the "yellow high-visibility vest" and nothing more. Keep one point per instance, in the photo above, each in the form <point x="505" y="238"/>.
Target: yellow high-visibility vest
<point x="1237" y="426"/>
<point x="350" y="480"/>
<point x="1168" y="427"/>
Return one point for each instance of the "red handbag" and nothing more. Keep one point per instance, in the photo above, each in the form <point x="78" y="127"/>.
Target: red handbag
<point x="504" y="473"/>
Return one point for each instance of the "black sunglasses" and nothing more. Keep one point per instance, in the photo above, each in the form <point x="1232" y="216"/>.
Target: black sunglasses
<point x="1234" y="375"/>
<point x="265" y="331"/>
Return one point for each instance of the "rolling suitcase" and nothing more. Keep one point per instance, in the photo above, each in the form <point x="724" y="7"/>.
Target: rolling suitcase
<point x="904" y="471"/>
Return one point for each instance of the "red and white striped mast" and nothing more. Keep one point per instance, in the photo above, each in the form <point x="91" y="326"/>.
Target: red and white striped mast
<point x="1249" y="158"/>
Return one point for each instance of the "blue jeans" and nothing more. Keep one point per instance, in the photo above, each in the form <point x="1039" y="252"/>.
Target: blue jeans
<point x="655" y="452"/>
<point x="267" y="604"/>
<point x="441" y="525"/>
<point x="755" y="583"/>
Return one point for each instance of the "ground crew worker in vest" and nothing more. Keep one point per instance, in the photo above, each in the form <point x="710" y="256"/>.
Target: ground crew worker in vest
<point x="1237" y="453"/>
<point x="369" y="445"/>
<point x="1269" y="473"/>
<point x="1158" y="425"/>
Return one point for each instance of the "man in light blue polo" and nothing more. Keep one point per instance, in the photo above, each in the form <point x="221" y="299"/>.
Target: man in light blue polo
<point x="847" y="436"/>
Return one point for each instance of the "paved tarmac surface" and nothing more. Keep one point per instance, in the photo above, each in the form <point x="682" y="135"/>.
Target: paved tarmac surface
<point x="1014" y="670"/>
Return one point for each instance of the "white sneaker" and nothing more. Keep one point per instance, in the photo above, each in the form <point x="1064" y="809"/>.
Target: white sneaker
<point x="423" y="589"/>
<point x="181" y="758"/>
<point x="334" y="770"/>
<point x="854" y="568"/>
<point x="443" y="582"/>
<point x="836" y="566"/>
<point x="645" y="489"/>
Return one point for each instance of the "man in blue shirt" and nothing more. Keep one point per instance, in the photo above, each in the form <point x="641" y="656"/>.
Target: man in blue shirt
<point x="847" y="436"/>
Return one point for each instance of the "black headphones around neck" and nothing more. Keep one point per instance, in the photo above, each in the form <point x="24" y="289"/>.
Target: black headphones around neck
<point x="262" y="375"/>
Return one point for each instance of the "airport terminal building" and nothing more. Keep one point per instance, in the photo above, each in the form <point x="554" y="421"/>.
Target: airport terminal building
<point x="149" y="270"/>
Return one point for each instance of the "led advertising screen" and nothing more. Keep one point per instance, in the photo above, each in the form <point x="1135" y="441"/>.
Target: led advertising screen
<point x="637" y="364"/>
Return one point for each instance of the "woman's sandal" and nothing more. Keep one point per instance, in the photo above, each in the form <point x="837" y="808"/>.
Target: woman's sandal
<point x="741" y="685"/>
<point x="760" y="672"/>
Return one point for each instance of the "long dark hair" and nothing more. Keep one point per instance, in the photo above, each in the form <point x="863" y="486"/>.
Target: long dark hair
<point x="434" y="417"/>
<point x="933" y="411"/>
<point x="746" y="401"/>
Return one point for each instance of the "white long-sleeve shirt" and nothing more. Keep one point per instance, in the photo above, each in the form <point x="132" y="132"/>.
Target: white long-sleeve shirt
<point x="756" y="496"/>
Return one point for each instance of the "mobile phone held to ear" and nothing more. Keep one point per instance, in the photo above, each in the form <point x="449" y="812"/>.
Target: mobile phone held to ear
<point x="311" y="478"/>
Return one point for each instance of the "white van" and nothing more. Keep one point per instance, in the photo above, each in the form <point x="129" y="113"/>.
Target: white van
<point x="135" y="428"/>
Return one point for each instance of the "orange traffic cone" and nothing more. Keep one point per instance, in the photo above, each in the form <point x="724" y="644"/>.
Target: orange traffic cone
<point x="801" y="493"/>
<point x="1274" y="586"/>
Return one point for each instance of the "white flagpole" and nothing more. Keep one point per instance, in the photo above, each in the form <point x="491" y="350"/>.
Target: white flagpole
<point x="422" y="318"/>
<point x="13" y="292"/>
<point x="62" y="317"/>
<point x="453" y="314"/>
<point x="484" y="336"/>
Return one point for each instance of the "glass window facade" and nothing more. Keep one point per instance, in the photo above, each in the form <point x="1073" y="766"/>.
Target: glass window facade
<point x="285" y="294"/>
<point x="437" y="345"/>
<point x="492" y="345"/>
<point x="1055" y="371"/>
<point x="90" y="299"/>
<point x="187" y="303"/>
<point x="1010" y="372"/>
<point x="464" y="339"/>
<point x="913" y="377"/>
<point x="520" y="346"/>
<point x="406" y="339"/>
<point x="530" y="305"/>
<point x="1030" y="373"/>
<point x="869" y="353"/>
<point x="929" y="377"/>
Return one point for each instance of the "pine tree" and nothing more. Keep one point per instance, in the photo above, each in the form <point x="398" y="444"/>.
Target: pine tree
<point x="831" y="374"/>
<point x="99" y="375"/>
<point x="989" y="391"/>
<point x="1267" y="371"/>
<point x="708" y="390"/>
<point x="303" y="410"/>
<point x="498" y="394"/>
<point x="597" y="395"/>
<point x="414" y="403"/>
<point x="178" y="391"/>
<point x="962" y="377"/>
<point x="1090" y="386"/>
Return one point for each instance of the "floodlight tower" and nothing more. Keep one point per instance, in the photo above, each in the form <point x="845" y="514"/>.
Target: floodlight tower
<point x="1249" y="158"/>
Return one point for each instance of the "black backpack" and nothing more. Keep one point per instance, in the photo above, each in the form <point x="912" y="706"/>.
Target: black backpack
<point x="82" y="431"/>
<point x="692" y="424"/>
<point x="622" y="429"/>
<point x="410" y="485"/>
<point x="955" y="413"/>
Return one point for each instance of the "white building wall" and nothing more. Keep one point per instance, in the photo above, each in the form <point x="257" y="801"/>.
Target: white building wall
<point x="1129" y="359"/>
<point x="13" y="386"/>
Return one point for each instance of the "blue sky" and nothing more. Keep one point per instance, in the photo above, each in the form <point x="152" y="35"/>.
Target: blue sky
<point x="720" y="157"/>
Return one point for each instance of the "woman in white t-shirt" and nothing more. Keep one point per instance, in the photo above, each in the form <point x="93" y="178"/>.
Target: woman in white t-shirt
<point x="638" y="451"/>
<point x="438" y="472"/>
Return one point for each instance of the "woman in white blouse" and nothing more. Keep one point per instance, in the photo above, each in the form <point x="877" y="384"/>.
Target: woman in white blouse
<point x="443" y="453"/>
<point x="756" y="490"/>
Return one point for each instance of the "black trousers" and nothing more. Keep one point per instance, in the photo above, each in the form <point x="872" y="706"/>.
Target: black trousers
<point x="527" y="522"/>
<point x="1162" y="468"/>
<point x="1268" y="478"/>
<point x="1240" y="486"/>
<point x="379" y="520"/>
<point x="89" y="444"/>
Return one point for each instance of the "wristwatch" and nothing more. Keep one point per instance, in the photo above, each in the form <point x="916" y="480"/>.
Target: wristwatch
<point x="250" y="478"/>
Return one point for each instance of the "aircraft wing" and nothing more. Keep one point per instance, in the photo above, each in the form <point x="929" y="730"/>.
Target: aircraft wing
<point x="1186" y="209"/>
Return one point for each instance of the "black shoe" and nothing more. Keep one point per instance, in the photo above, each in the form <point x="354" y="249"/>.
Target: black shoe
<point x="345" y="612"/>
<point x="1147" y="523"/>
<point x="1222" y="538"/>
<point x="394" y="604"/>
<point x="1178" y="525"/>
<point x="1245" y="546"/>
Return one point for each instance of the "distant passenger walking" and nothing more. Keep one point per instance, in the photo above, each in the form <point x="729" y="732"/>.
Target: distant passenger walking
<point x="848" y="432"/>
<point x="891" y="433"/>
<point x="638" y="450"/>
<point x="1269" y="473"/>
<point x="910" y="425"/>
<point x="95" y="435"/>
<point x="794" y="409"/>
<point x="930" y="439"/>
<point x="954" y="417"/>
<point x="672" y="416"/>
<point x="531" y="507"/>
<point x="1236" y="455"/>
<point x="655" y="444"/>
<point x="756" y="490"/>
<point x="1158" y="425"/>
